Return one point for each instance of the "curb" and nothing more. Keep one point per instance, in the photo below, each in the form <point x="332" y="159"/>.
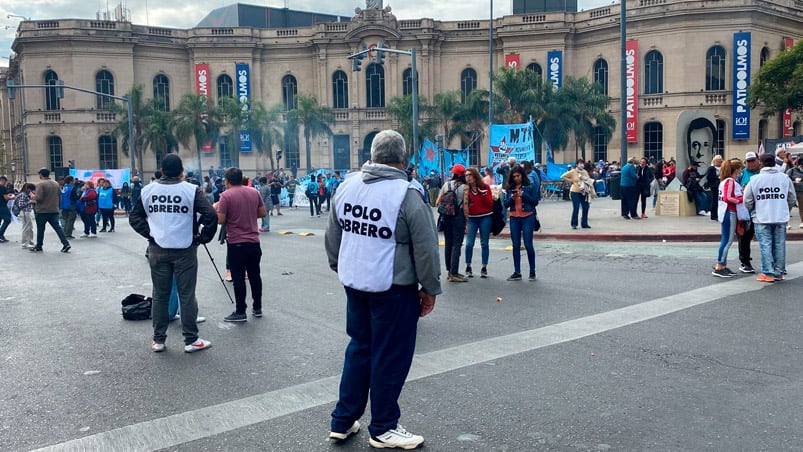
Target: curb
<point x="637" y="237"/>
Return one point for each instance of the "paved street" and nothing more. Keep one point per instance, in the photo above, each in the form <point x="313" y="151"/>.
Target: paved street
<point x="618" y="346"/>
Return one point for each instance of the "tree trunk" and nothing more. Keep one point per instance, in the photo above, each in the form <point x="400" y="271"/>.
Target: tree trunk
<point x="308" y="143"/>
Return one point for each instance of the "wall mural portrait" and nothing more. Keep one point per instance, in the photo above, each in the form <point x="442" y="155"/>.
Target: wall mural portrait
<point x="699" y="133"/>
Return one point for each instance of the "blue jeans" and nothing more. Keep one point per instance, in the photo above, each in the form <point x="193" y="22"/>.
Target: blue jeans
<point x="382" y="327"/>
<point x="522" y="228"/>
<point x="266" y="222"/>
<point x="772" y="244"/>
<point x="700" y="201"/>
<point x="483" y="224"/>
<point x="579" y="200"/>
<point x="728" y="235"/>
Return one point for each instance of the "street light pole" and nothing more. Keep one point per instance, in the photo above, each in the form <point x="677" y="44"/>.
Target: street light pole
<point x="623" y="82"/>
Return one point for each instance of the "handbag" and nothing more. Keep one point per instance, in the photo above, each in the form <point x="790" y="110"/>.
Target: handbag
<point x="742" y="213"/>
<point x="137" y="307"/>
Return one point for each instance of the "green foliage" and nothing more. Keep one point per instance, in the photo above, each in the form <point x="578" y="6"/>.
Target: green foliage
<point x="315" y="119"/>
<point x="779" y="83"/>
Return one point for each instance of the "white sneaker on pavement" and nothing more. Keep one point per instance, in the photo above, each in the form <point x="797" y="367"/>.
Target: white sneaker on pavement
<point x="337" y="436"/>
<point x="198" y="345"/>
<point x="396" y="438"/>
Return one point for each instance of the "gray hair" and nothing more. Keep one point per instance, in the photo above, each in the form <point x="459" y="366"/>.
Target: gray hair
<point x="388" y="147"/>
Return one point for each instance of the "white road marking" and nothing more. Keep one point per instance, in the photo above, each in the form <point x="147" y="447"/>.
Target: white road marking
<point x="212" y="420"/>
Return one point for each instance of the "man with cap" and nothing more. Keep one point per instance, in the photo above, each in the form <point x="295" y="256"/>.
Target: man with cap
<point x="751" y="167"/>
<point x="780" y="159"/>
<point x="454" y="226"/>
<point x="168" y="214"/>
<point x="769" y="196"/>
<point x="46" y="208"/>
<point x="381" y="241"/>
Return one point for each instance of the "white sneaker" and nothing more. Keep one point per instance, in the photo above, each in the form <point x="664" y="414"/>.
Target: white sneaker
<point x="198" y="345"/>
<point x="702" y="212"/>
<point x="83" y="236"/>
<point x="337" y="436"/>
<point x="801" y="225"/>
<point x="93" y="236"/>
<point x="157" y="347"/>
<point x="396" y="438"/>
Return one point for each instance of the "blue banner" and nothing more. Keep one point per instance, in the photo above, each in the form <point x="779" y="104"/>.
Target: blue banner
<point x="244" y="96"/>
<point x="510" y="140"/>
<point x="741" y="81"/>
<point x="428" y="159"/>
<point x="554" y="60"/>
<point x="452" y="157"/>
<point x="116" y="176"/>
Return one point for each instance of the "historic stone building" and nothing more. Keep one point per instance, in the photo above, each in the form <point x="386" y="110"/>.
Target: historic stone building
<point x="690" y="59"/>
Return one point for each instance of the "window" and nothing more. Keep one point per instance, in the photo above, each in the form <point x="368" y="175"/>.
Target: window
<point x="407" y="82"/>
<point x="715" y="69"/>
<point x="601" y="74"/>
<point x="52" y="101"/>
<point x="375" y="85"/>
<point x="653" y="72"/>
<point x="796" y="128"/>
<point x="161" y="92"/>
<point x="107" y="147"/>
<point x="225" y="155"/>
<point x="289" y="92"/>
<point x="340" y="90"/>
<point x="719" y="141"/>
<point x="762" y="130"/>
<point x="225" y="87"/>
<point x="473" y="152"/>
<point x="104" y="83"/>
<point x="765" y="56"/>
<point x="535" y="67"/>
<point x="54" y="152"/>
<point x="600" y="144"/>
<point x="468" y="82"/>
<point x="653" y="141"/>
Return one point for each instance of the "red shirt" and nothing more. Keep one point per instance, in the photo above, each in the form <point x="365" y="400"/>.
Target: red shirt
<point x="240" y="205"/>
<point x="480" y="203"/>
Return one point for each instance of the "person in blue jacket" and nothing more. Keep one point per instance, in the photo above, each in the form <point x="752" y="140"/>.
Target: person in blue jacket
<point x="106" y="205"/>
<point x="520" y="200"/>
<point x="629" y="190"/>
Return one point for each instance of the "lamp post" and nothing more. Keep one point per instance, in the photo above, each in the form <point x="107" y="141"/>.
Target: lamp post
<point x="9" y="16"/>
<point x="623" y="81"/>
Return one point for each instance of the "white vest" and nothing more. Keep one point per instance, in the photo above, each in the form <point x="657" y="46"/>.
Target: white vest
<point x="770" y="190"/>
<point x="170" y="210"/>
<point x="367" y="215"/>
<point x="722" y="206"/>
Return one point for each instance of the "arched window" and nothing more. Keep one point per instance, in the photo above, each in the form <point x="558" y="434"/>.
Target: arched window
<point x="600" y="144"/>
<point x="225" y="87"/>
<point x="654" y="141"/>
<point x="765" y="56"/>
<point x="468" y="82"/>
<point x="601" y="74"/>
<point x="535" y="67"/>
<point x="161" y="92"/>
<point x="289" y="92"/>
<point x="55" y="152"/>
<point x="52" y="101"/>
<point x="104" y="83"/>
<point x="107" y="152"/>
<point x="762" y="130"/>
<point x="653" y="72"/>
<point x="340" y="90"/>
<point x="719" y="141"/>
<point x="407" y="82"/>
<point x="715" y="69"/>
<point x="375" y="85"/>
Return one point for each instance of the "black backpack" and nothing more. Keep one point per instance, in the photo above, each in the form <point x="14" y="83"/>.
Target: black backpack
<point x="448" y="206"/>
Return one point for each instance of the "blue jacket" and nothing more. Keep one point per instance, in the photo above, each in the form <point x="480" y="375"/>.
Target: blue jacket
<point x="628" y="176"/>
<point x="529" y="199"/>
<point x="106" y="198"/>
<point x="66" y="201"/>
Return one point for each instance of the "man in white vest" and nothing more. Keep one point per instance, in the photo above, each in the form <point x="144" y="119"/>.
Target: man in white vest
<point x="168" y="214"/>
<point x="382" y="242"/>
<point x="769" y="196"/>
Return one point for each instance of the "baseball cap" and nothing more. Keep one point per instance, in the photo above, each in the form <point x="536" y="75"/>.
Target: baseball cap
<point x="458" y="170"/>
<point x="779" y="150"/>
<point x="750" y="156"/>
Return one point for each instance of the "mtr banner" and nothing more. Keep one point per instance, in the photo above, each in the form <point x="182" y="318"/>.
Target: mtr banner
<point x="631" y="97"/>
<point x="741" y="81"/>
<point x="202" y="89"/>
<point x="243" y="85"/>
<point x="554" y="60"/>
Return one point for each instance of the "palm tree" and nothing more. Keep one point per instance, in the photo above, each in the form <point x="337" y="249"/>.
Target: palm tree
<point x="400" y="109"/>
<point x="157" y="134"/>
<point x="518" y="96"/>
<point x="140" y="114"/>
<point x="314" y="117"/>
<point x="445" y="111"/>
<point x="234" y="116"/>
<point x="589" y="110"/>
<point x="266" y="128"/>
<point x="194" y="120"/>
<point x="473" y="116"/>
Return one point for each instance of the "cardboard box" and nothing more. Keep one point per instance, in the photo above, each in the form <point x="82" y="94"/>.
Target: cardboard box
<point x="674" y="204"/>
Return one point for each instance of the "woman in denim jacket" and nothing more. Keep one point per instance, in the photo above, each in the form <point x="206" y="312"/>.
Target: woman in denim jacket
<point x="520" y="200"/>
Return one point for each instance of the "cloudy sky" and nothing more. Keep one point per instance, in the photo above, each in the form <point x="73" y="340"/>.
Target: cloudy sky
<point x="187" y="13"/>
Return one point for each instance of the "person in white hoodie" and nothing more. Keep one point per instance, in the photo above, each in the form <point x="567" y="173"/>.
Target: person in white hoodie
<point x="769" y="196"/>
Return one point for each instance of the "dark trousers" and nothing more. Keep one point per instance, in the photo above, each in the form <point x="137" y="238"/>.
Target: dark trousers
<point x="642" y="195"/>
<point x="245" y="257"/>
<point x="69" y="220"/>
<point x="90" y="227"/>
<point x="314" y="204"/>
<point x="53" y="220"/>
<point x="5" y="220"/>
<point x="454" y="229"/>
<point x="290" y="196"/>
<point x="108" y="217"/>
<point x="744" y="244"/>
<point x="629" y="201"/>
<point x="382" y="327"/>
<point x="167" y="264"/>
<point x="713" y="207"/>
<point x="579" y="200"/>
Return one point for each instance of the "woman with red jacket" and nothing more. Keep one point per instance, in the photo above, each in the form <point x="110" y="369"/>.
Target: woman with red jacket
<point x="90" y="199"/>
<point x="730" y="197"/>
<point x="478" y="206"/>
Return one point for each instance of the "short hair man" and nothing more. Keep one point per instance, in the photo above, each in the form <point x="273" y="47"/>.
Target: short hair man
<point x="770" y="196"/>
<point x="238" y="209"/>
<point x="751" y="167"/>
<point x="46" y="206"/>
<point x="381" y="240"/>
<point x="169" y="214"/>
<point x="6" y="195"/>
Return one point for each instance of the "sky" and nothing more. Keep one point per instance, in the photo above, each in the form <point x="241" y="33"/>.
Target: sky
<point x="187" y="13"/>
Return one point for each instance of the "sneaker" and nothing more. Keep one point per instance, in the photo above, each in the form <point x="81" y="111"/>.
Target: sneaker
<point x="801" y="225"/>
<point x="456" y="277"/>
<point x="721" y="273"/>
<point x="198" y="345"/>
<point x="200" y="319"/>
<point x="532" y="276"/>
<point x="729" y="271"/>
<point x="83" y="236"/>
<point x="157" y="347"/>
<point x="66" y="248"/>
<point x="747" y="268"/>
<point x="779" y="278"/>
<point x="36" y="250"/>
<point x="625" y="217"/>
<point x="70" y="237"/>
<point x="516" y="276"/>
<point x="469" y="273"/>
<point x="93" y="236"/>
<point x="396" y="438"/>
<point x="263" y="230"/>
<point x="765" y="278"/>
<point x="234" y="317"/>
<point x="4" y="240"/>
<point x="337" y="436"/>
<point x="643" y="215"/>
<point x="258" y="313"/>
<point x="702" y="212"/>
<point x="483" y="272"/>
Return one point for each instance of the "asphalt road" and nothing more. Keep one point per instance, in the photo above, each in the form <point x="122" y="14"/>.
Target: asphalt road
<point x="617" y="346"/>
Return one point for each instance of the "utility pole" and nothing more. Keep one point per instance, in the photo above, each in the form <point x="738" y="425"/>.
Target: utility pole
<point x="623" y="82"/>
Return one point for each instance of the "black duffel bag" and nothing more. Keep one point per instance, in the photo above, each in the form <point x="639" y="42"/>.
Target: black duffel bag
<point x="137" y="307"/>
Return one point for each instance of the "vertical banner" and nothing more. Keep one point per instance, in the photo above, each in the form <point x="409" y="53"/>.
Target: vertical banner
<point x="631" y="96"/>
<point x="244" y="96"/>
<point x="554" y="60"/>
<point x="741" y="81"/>
<point x="510" y="140"/>
<point x="788" y="43"/>
<point x="202" y="89"/>
<point x="428" y="159"/>
<point x="513" y="61"/>
<point x="787" y="123"/>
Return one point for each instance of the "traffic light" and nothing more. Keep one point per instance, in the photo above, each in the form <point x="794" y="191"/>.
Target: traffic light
<point x="356" y="61"/>
<point x="279" y="154"/>
<point x="380" y="55"/>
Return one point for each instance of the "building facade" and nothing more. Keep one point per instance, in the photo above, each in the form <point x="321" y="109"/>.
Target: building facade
<point x="689" y="63"/>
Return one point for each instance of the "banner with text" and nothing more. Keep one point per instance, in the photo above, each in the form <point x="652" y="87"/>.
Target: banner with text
<point x="510" y="140"/>
<point x="555" y="68"/>
<point x="202" y="89"/>
<point x="513" y="61"/>
<point x="116" y="176"/>
<point x="244" y="96"/>
<point x="631" y="78"/>
<point x="741" y="82"/>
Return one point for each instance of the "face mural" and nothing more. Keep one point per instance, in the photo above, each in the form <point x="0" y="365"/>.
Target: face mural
<point x="700" y="136"/>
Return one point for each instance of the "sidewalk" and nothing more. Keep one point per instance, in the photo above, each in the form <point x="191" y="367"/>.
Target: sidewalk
<point x="607" y="225"/>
